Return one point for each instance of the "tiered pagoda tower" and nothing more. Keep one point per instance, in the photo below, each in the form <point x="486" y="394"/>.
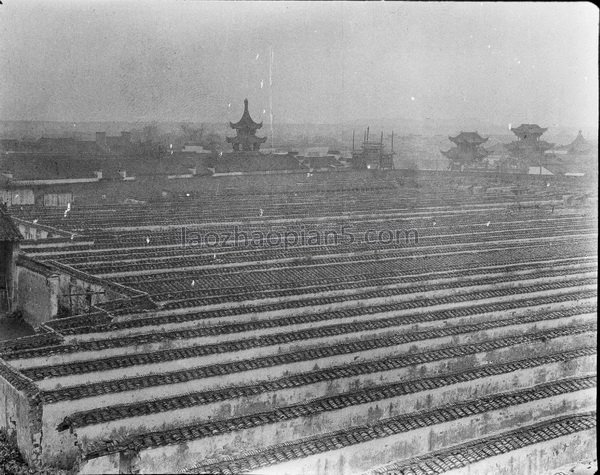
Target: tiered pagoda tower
<point x="246" y="139"/>
<point x="529" y="148"/>
<point x="468" y="150"/>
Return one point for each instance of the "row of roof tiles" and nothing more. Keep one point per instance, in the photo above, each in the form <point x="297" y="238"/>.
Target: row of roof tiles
<point x="182" y="376"/>
<point x="399" y="424"/>
<point x="124" y="361"/>
<point x="100" y="415"/>
<point x="460" y="456"/>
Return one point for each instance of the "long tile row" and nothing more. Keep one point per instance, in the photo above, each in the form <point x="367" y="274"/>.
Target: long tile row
<point x="463" y="455"/>
<point x="115" y="412"/>
<point x="241" y="328"/>
<point x="221" y="369"/>
<point x="85" y="325"/>
<point x="393" y="425"/>
<point x="124" y="361"/>
<point x="455" y="457"/>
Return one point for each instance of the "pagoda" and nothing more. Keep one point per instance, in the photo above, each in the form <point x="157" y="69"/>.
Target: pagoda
<point x="468" y="150"/>
<point x="246" y="139"/>
<point x="529" y="148"/>
<point x="579" y="146"/>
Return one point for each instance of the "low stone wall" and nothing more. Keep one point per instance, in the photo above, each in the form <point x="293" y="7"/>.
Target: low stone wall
<point x="37" y="293"/>
<point x="21" y="412"/>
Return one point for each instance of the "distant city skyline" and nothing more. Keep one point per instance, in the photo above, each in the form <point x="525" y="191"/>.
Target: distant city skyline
<point x="312" y="62"/>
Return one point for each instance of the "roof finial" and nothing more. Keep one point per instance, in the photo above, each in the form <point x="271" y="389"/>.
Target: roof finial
<point x="246" y="105"/>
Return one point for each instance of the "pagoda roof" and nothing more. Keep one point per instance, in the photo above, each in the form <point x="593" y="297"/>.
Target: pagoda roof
<point x="246" y="121"/>
<point x="460" y="156"/>
<point x="469" y="138"/>
<point x="579" y="143"/>
<point x="528" y="129"/>
<point x="8" y="229"/>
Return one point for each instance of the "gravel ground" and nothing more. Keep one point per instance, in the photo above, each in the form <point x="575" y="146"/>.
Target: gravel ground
<point x="11" y="461"/>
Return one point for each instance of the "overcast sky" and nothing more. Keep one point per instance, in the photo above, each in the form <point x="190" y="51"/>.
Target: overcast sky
<point x="303" y="62"/>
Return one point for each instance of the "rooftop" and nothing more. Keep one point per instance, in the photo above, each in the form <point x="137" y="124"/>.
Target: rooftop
<point x="528" y="129"/>
<point x="8" y="229"/>
<point x="246" y="121"/>
<point x="469" y="138"/>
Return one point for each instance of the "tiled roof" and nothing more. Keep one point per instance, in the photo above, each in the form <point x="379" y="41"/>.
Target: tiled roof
<point x="125" y="361"/>
<point x="8" y="229"/>
<point x="469" y="137"/>
<point x="528" y="129"/>
<point x="242" y="328"/>
<point x="246" y="121"/>
<point x="546" y="430"/>
<point x="98" y="415"/>
<point x="459" y="456"/>
<point x="81" y="325"/>
<point x="383" y="428"/>
<point x="131" y="384"/>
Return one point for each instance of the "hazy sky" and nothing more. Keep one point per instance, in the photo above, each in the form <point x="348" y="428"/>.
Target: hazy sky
<point x="303" y="62"/>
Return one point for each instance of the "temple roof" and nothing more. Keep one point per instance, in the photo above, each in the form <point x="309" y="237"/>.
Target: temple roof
<point x="469" y="138"/>
<point x="473" y="155"/>
<point x="246" y="121"/>
<point x="539" y="146"/>
<point x="8" y="229"/>
<point x="579" y="144"/>
<point x="528" y="129"/>
<point x="250" y="139"/>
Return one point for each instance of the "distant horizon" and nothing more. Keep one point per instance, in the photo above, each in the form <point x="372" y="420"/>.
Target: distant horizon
<point x="401" y="123"/>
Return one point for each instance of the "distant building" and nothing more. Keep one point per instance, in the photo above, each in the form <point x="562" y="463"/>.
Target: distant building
<point x="579" y="146"/>
<point x="120" y="144"/>
<point x="372" y="155"/>
<point x="468" y="151"/>
<point x="529" y="149"/>
<point x="246" y="139"/>
<point x="195" y="148"/>
<point x="578" y="158"/>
